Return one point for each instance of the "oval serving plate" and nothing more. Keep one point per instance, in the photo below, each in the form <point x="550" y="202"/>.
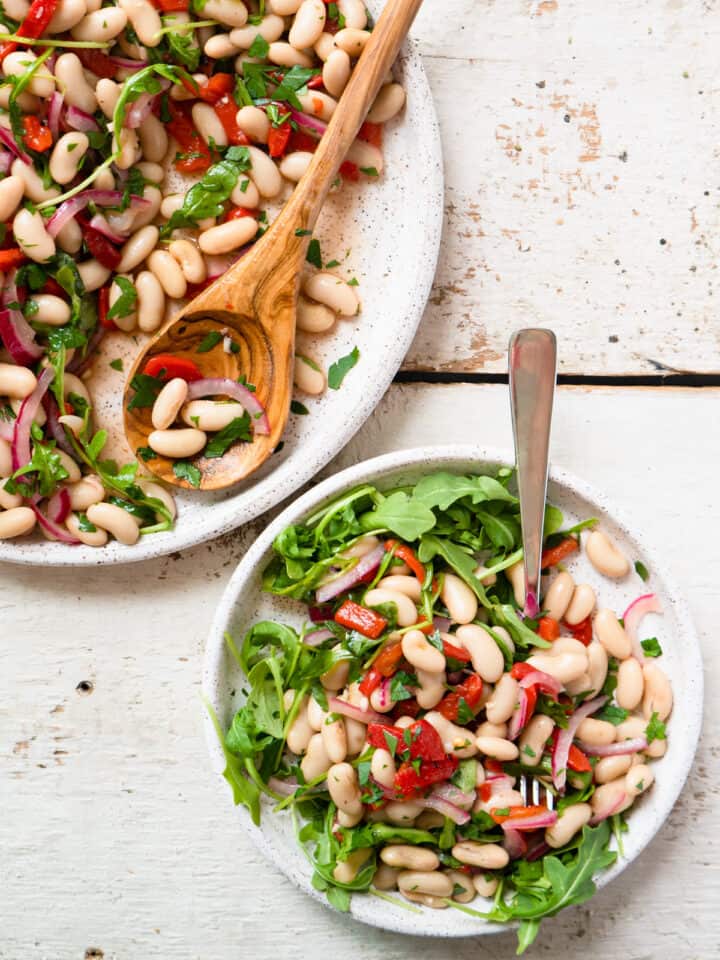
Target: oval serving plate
<point x="244" y="603"/>
<point x="387" y="234"/>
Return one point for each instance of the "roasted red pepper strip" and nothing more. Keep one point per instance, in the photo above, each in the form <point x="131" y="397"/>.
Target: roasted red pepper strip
<point x="376" y="735"/>
<point x="36" y="136"/>
<point x="456" y="653"/>
<point x="34" y="25"/>
<point x="217" y="86"/>
<point x="553" y="555"/>
<point x="409" y="781"/>
<point x="189" y="140"/>
<point x="406" y="708"/>
<point x="166" y="366"/>
<point x="520" y="670"/>
<point x="581" y="631"/>
<point x="302" y="141"/>
<point x="11" y="258"/>
<point x="236" y="213"/>
<point x="226" y="110"/>
<point x="371" y="133"/>
<point x="350" y="171"/>
<point x="371" y="681"/>
<point x="367" y="622"/>
<point x="420" y="739"/>
<point x="471" y="691"/>
<point x="97" y="62"/>
<point x="405" y="553"/>
<point x="548" y="628"/>
<point x="577" y="760"/>
<point x="172" y="6"/>
<point x="98" y="245"/>
<point x="103" y="307"/>
<point x="516" y="813"/>
<point x="278" y="138"/>
<point x="386" y="662"/>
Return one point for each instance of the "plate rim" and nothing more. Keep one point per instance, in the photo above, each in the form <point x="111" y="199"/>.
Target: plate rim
<point x="11" y="551"/>
<point x="435" y="455"/>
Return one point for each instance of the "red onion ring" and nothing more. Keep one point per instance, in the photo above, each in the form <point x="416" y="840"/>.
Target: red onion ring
<point x="59" y="505"/>
<point x="447" y="809"/>
<point x="365" y="565"/>
<point x="612" y="809"/>
<point x="614" y="749"/>
<point x="54" y="110"/>
<point x="224" y="386"/>
<point x="55" y="531"/>
<point x="647" y="603"/>
<point x="19" y="338"/>
<point x="7" y="138"/>
<point x="99" y="223"/>
<point x="308" y="122"/>
<point x="21" y="454"/>
<point x="346" y="709"/>
<point x="54" y="425"/>
<point x="77" y="119"/>
<point x="537" y="822"/>
<point x="103" y="198"/>
<point x="5" y="161"/>
<point x="316" y="637"/>
<point x="514" y="843"/>
<point x="561" y="746"/>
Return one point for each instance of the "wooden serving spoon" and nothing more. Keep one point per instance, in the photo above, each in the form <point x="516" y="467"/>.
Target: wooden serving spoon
<point x="256" y="299"/>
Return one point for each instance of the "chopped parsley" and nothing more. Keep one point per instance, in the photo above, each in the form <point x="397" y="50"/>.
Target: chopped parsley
<point x="210" y="340"/>
<point x="641" y="570"/>
<point x="187" y="471"/>
<point x="339" y="370"/>
<point x="652" y="647"/>
<point x="237" y="429"/>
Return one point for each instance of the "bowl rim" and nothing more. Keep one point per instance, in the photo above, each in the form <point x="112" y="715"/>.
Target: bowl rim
<point x="434" y="457"/>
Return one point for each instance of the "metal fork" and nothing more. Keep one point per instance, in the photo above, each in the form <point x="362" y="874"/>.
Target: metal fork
<point x="534" y="791"/>
<point x="532" y="364"/>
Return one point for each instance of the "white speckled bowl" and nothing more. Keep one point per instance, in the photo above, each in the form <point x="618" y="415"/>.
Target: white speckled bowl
<point x="387" y="234"/>
<point x="243" y="603"/>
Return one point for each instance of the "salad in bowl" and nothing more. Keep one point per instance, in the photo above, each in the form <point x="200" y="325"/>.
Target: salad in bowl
<point x="428" y="745"/>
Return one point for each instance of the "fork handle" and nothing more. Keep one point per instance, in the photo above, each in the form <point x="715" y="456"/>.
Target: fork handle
<point x="532" y="363"/>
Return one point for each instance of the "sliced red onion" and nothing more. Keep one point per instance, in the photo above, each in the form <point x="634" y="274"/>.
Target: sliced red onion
<point x="308" y="122"/>
<point x="442" y="624"/>
<point x="127" y="64"/>
<point x="561" y="746"/>
<point x="546" y="683"/>
<point x="346" y="709"/>
<point x="7" y="138"/>
<point x="382" y="693"/>
<point x="635" y="745"/>
<point x="447" y="809"/>
<point x="451" y="793"/>
<point x="608" y="811"/>
<point x="224" y="386"/>
<point x="5" y="161"/>
<point x="520" y="716"/>
<point x="99" y="223"/>
<point x="54" y="110"/>
<point x="285" y="787"/>
<point x="537" y="822"/>
<point x="647" y="603"/>
<point x="77" y="119"/>
<point x="21" y="453"/>
<point x="365" y="565"/>
<point x="54" y="426"/>
<point x="59" y="505"/>
<point x="55" y="530"/>
<point x="102" y="198"/>
<point x="316" y="637"/>
<point x="321" y="613"/>
<point x="539" y="850"/>
<point x="514" y="843"/>
<point x="19" y="338"/>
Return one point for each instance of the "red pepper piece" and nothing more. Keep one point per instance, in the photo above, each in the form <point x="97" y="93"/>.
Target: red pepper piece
<point x="166" y="366"/>
<point x="409" y="781"/>
<point x="189" y="140"/>
<point x="548" y="628"/>
<point x="485" y="791"/>
<point x="172" y="6"/>
<point x="367" y="622"/>
<point x="405" y="553"/>
<point x="11" y="258"/>
<point x="581" y="631"/>
<point x="386" y="662"/>
<point x="302" y="141"/>
<point x="103" y="307"/>
<point x="406" y="708"/>
<point x="97" y="62"/>
<point x="520" y="670"/>
<point x="217" y="87"/>
<point x="456" y="653"/>
<point x="36" y="136"/>
<point x="52" y="286"/>
<point x="278" y="139"/>
<point x="421" y="739"/>
<point x="316" y="83"/>
<point x="471" y="691"/>
<point x="371" y="133"/>
<point x="376" y="735"/>
<point x="98" y="245"/>
<point x="236" y="213"/>
<point x="577" y="760"/>
<point x="34" y="25"/>
<point x="553" y="555"/>
<point x="371" y="681"/>
<point x="493" y="766"/>
<point x="517" y="813"/>
<point x="226" y="110"/>
<point x="350" y="171"/>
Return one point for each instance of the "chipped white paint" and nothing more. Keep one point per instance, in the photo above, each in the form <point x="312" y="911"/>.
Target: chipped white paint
<point x="112" y="833"/>
<point x="577" y="138"/>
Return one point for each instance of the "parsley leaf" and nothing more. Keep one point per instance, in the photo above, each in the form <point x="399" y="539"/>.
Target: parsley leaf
<point x="641" y="570"/>
<point x="146" y="453"/>
<point x="655" y="729"/>
<point x="612" y="714"/>
<point x="237" y="429"/>
<point x="313" y="255"/>
<point x="259" y="47"/>
<point x="117" y="364"/>
<point x="299" y="408"/>
<point x="207" y="197"/>
<point x="339" y="370"/>
<point x="187" y="471"/>
<point x="146" y="390"/>
<point x="125" y="303"/>
<point x="399" y="686"/>
<point x="210" y="340"/>
<point x="652" y="647"/>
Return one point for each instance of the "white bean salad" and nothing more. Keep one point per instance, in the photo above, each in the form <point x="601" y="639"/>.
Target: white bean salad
<point x="140" y="142"/>
<point x="426" y="737"/>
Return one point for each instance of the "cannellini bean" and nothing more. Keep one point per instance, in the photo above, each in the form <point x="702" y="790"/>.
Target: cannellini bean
<point x="426" y="899"/>
<point x="352" y="40"/>
<point x="612" y="795"/>
<point x="16" y="64"/>
<point x="209" y="415"/>
<point x="254" y="123"/>
<point x="385" y="877"/>
<point x="8" y="501"/>
<point x="597" y="666"/>
<point x="11" y="193"/>
<point x="91" y="538"/>
<point x="343" y="786"/>
<point x="128" y="321"/>
<point x="456" y="740"/>
<point x="325" y="46"/>
<point x="16" y="522"/>
<point x="388" y="103"/>
<point x="459" y="599"/>
<point x="409" y="586"/>
<point x="270" y="28"/>
<point x="406" y="610"/>
<point x="50" y="309"/>
<point x="497" y="748"/>
<point x="501" y="704"/>
<point x="71" y="79"/>
<point x="67" y="14"/>
<point x="316" y="715"/>
<point x="485" y="578"/>
<point x="336" y="677"/>
<point x="264" y="174"/>
<point x="74" y="385"/>
<point x="429" y="820"/>
<point x="316" y="761"/>
<point x="488" y="856"/>
<point x="570" y="821"/>
<point x="6" y="467"/>
<point x="318" y="104"/>
<point x="144" y="19"/>
<point x="418" y="651"/>
<point x="228" y="236"/>
<point x="382" y="767"/>
<point x="333" y="292"/>
<point x="184" y="442"/>
<point x="380" y="702"/>
<point x="346" y="870"/>
<point x="336" y="72"/>
<point x="605" y="556"/>
<point x="153" y="140"/>
<point x="487" y="659"/>
<point x="34" y="188"/>
<point x="245" y="193"/>
<point x="115" y="520"/>
<point x="348" y="820"/>
<point x="630" y="684"/>
<point x="168" y="403"/>
<point x="283" y="8"/>
<point x="167" y="270"/>
<point x="69" y="238"/>
<point x="294" y="165"/>
<point x="610" y="768"/>
<point x="657" y="697"/>
<point x="307" y="376"/>
<point x="558" y="596"/>
<point x="151" y="489"/>
<point x="355" y="733"/>
<point x="218" y="46"/>
<point x="599" y="733"/>
<point x="308" y="24"/>
<point x="565" y="667"/>
<point x="488" y="729"/>
<point x="485" y="884"/>
<point x="208" y="124"/>
<point x="100" y="25"/>
<point x="151" y="170"/>
<point x="360" y="548"/>
<point x="366" y="156"/>
<point x="85" y="492"/>
<point x="40" y="417"/>
<point x="581" y="605"/>
<point x="17" y="9"/>
<point x="232" y="13"/>
<point x="26" y="101"/>
<point x="32" y="237"/>
<point x="145" y="214"/>
<point x="67" y="155"/>
<point x="150" y="301"/>
<point x="516" y="576"/>
<point x="464" y="882"/>
<point x="107" y="93"/>
<point x="612" y="635"/>
<point x="285" y="55"/>
<point x="333" y="734"/>
<point x="431" y="882"/>
<point x="638" y="779"/>
<point x="129" y="149"/>
<point x="533" y="739"/>
<point x="137" y="248"/>
<point x="190" y="259"/>
<point x="71" y="468"/>
<point x="431" y="688"/>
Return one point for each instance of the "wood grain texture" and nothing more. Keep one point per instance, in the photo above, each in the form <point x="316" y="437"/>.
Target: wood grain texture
<point x="114" y="834"/>
<point x="580" y="143"/>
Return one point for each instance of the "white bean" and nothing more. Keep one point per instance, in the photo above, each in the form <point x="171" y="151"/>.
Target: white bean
<point x="208" y="124"/>
<point x="144" y="19"/>
<point x="137" y="248"/>
<point x="410" y="586"/>
<point x="129" y="148"/>
<point x="283" y="8"/>
<point x="128" y="321"/>
<point x="565" y="667"/>
<point x="150" y="302"/>
<point x="183" y="442"/>
<point x="147" y="213"/>
<point x="336" y="72"/>
<point x="308" y="377"/>
<point x="611" y="634"/>
<point x="11" y="193"/>
<point x="420" y="652"/>
<point x="17" y="9"/>
<point x="346" y="870"/>
<point x="333" y="734"/>
<point x="501" y="705"/>
<point x="32" y="237"/>
<point x="487" y="659"/>
<point x="209" y="415"/>
<point x="218" y="46"/>
<point x="86" y="492"/>
<point x="16" y="522"/>
<point x="333" y="292"/>
<point x="190" y="259"/>
<point x="365" y="156"/>
<point x="67" y="14"/>
<point x="316" y="761"/>
<point x="612" y="795"/>
<point x="533" y="739"/>
<point x="264" y="174"/>
<point x="433" y="882"/>
<point x="34" y="188"/>
<point x="581" y="605"/>
<point x="308" y="24"/>
<point x="285" y="55"/>
<point x="558" y="596"/>
<point x="497" y="748"/>
<point x="314" y="317"/>
<point x="354" y="13"/>
<point x="115" y="520"/>
<point x="93" y="274"/>
<point x="657" y="697"/>
<point x="318" y="104"/>
<point x="382" y="767"/>
<point x="232" y="13"/>
<point x="270" y="28"/>
<point x="406" y="610"/>
<point x="459" y="599"/>
<point x="404" y="856"/>
<point x="605" y="556"/>
<point x="388" y="103"/>
<point x="155" y="490"/>
<point x="69" y="238"/>
<point x="91" y="538"/>
<point x="300" y="731"/>
<point x="228" y="236"/>
<point x="67" y="156"/>
<point x="516" y="576"/>
<point x="50" y="310"/>
<point x="316" y="715"/>
<point x="456" y="740"/>
<point x="638" y="779"/>
<point x="168" y="403"/>
<point x="100" y="25"/>
<point x="254" y="123"/>
<point x="71" y="79"/>
<point x="570" y="821"/>
<point x="610" y="768"/>
<point x="431" y="688"/>
<point x="630" y="684"/>
<point x="294" y="165"/>
<point x="336" y="677"/>
<point x="107" y="93"/>
<point x="488" y="856"/>
<point x="352" y="40"/>
<point x="598" y="733"/>
<point x="245" y="194"/>
<point x="597" y="666"/>
<point x="325" y="45"/>
<point x="151" y="170"/>
<point x="153" y="139"/>
<point x="8" y="501"/>
<point x="168" y="271"/>
<point x="485" y="884"/>
<point x="16" y="64"/>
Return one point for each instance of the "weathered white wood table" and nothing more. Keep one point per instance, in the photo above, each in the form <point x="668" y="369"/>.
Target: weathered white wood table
<point x="576" y="141"/>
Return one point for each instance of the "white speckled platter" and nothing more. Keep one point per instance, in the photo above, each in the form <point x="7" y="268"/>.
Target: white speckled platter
<point x="387" y="234"/>
<point x="243" y="603"/>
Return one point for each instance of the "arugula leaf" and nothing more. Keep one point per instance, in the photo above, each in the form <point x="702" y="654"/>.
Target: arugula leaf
<point x="182" y="47"/>
<point x="146" y="390"/>
<point x="237" y="429"/>
<point x="612" y="714"/>
<point x="652" y="647"/>
<point x="400" y="514"/>
<point x="211" y="339"/>
<point x="457" y="559"/>
<point x="465" y="777"/>
<point x="339" y="370"/>
<point x="244" y="790"/>
<point x="655" y="729"/>
<point x="207" y="197"/>
<point x="125" y="303"/>
<point x="187" y="471"/>
<point x="641" y="570"/>
<point x="442" y="489"/>
<point x="46" y="466"/>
